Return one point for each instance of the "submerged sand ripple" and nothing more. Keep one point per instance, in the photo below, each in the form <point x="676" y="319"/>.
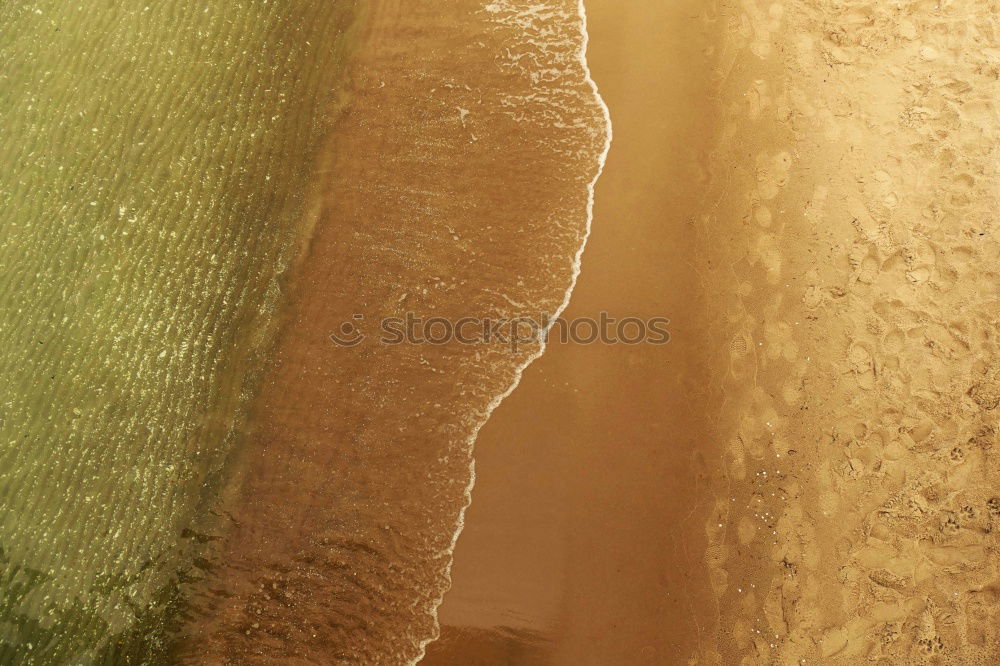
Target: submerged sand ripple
<point x="151" y="162"/>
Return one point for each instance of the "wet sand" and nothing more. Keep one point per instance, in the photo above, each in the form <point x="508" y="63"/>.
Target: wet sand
<point x="804" y="474"/>
<point x="585" y="540"/>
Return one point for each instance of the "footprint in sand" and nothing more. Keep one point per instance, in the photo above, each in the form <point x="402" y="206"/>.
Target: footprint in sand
<point x="716" y="551"/>
<point x="816" y="206"/>
<point x="780" y="338"/>
<point x="763" y="22"/>
<point x="793" y="390"/>
<point x="860" y="363"/>
<point x="763" y="217"/>
<point x="829" y="499"/>
<point x="736" y="458"/>
<point x="772" y="173"/>
<point x="864" y="262"/>
<point x="739" y="347"/>
<point x="769" y="256"/>
<point x="980" y="618"/>
<point x="747" y="530"/>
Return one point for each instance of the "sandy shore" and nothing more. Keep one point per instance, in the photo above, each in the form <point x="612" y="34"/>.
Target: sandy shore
<point x="803" y="475"/>
<point x="807" y="191"/>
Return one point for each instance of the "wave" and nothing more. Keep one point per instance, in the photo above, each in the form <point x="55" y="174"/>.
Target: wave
<point x="460" y="183"/>
<point x="601" y="160"/>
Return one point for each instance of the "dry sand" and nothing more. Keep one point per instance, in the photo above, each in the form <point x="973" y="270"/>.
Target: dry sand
<point x="853" y="215"/>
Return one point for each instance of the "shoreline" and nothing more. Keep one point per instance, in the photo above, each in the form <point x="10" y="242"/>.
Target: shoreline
<point x="212" y="456"/>
<point x="332" y="547"/>
<point x="533" y="572"/>
<point x="519" y="373"/>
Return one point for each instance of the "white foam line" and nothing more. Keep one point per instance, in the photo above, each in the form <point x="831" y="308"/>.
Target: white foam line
<point x="519" y="372"/>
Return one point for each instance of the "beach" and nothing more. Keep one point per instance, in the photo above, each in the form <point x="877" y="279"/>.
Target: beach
<point x="242" y="251"/>
<point x="459" y="186"/>
<point x="828" y="262"/>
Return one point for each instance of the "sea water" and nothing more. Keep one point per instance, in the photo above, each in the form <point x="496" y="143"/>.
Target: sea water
<point x="153" y="167"/>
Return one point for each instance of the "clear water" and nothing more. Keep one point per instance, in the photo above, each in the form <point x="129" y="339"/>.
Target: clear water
<point x="154" y="159"/>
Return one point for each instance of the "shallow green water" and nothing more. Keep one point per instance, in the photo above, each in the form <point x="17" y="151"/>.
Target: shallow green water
<point x="154" y="159"/>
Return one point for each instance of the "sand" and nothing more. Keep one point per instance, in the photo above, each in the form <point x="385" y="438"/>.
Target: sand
<point x="803" y="475"/>
<point x="584" y="541"/>
<point x="860" y="303"/>
<point x="840" y="264"/>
